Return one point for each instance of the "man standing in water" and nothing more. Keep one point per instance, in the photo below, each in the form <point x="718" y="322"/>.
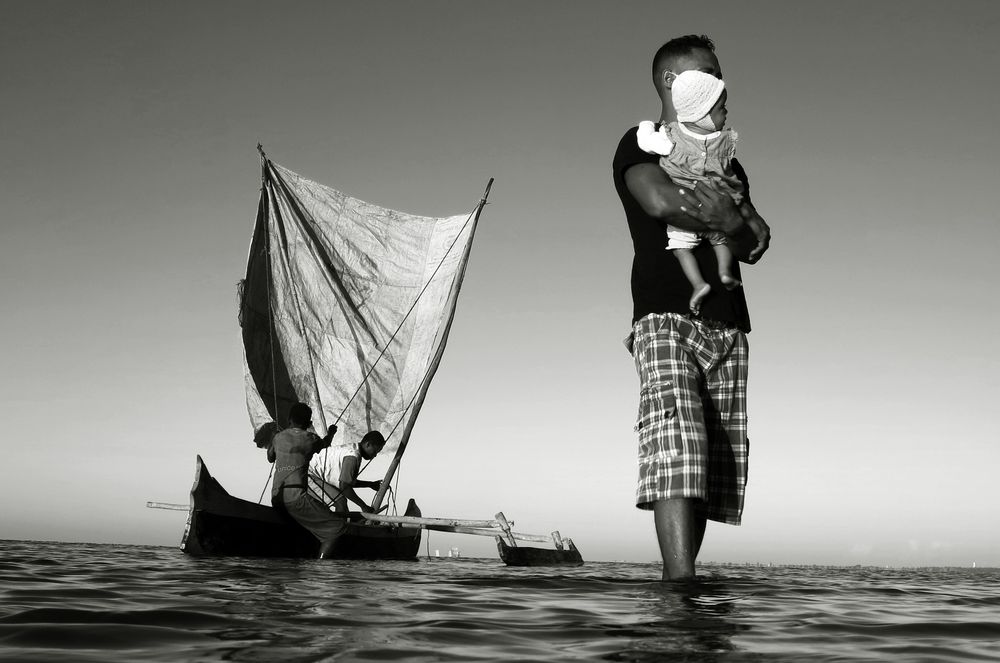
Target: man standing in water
<point x="692" y="370"/>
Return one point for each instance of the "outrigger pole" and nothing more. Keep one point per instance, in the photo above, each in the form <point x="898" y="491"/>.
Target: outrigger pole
<point x="564" y="554"/>
<point x="498" y="527"/>
<point x="168" y="506"/>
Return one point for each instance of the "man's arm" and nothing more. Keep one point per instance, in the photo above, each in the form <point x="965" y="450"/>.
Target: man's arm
<point x="349" y="479"/>
<point x="700" y="210"/>
<point x="321" y="443"/>
<point x="753" y="239"/>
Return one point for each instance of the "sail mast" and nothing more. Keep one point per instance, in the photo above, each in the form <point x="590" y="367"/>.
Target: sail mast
<point x="425" y="383"/>
<point x="268" y="277"/>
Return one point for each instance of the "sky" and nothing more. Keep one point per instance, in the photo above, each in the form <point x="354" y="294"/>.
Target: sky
<point x="129" y="186"/>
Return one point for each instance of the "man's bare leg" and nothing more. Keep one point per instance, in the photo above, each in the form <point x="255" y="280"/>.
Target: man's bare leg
<point x="328" y="547"/>
<point x="680" y="530"/>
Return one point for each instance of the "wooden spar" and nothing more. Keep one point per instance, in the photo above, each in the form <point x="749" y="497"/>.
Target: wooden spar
<point x="412" y="520"/>
<point x="538" y="538"/>
<point x="168" y="506"/>
<point x="387" y="480"/>
<point x="505" y="526"/>
<point x="475" y="527"/>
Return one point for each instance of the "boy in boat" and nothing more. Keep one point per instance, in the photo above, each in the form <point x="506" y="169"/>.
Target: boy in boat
<point x="290" y="451"/>
<point x="343" y="478"/>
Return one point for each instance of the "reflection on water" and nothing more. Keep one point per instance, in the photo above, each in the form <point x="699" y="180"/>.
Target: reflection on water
<point x="688" y="619"/>
<point x="85" y="602"/>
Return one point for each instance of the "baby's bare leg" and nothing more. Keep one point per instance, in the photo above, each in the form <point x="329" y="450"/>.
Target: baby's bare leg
<point x="725" y="259"/>
<point x="689" y="264"/>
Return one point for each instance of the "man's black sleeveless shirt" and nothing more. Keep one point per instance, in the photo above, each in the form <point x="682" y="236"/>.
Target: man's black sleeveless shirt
<point x="658" y="284"/>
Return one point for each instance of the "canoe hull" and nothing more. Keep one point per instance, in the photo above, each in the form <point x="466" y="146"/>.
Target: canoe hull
<point x="222" y="525"/>
<point x="527" y="556"/>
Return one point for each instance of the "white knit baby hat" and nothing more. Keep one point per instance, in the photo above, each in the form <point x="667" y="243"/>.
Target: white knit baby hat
<point x="694" y="93"/>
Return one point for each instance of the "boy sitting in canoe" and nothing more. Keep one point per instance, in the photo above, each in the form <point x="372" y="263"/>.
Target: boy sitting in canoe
<point x="345" y="463"/>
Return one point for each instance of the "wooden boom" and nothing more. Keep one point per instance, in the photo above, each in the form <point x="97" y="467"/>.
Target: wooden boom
<point x="411" y="520"/>
<point x="167" y="505"/>
<point x="475" y="527"/>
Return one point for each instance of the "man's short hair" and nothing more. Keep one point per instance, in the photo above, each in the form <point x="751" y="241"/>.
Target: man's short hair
<point x="374" y="436"/>
<point x="677" y="47"/>
<point x="300" y="414"/>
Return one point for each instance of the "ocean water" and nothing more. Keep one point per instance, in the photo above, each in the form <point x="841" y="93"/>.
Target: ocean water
<point x="90" y="602"/>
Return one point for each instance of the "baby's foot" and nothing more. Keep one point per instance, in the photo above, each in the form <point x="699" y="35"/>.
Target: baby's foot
<point x="700" y="292"/>
<point x="729" y="282"/>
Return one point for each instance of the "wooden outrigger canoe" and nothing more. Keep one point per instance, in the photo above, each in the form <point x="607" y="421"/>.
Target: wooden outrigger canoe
<point x="220" y="524"/>
<point x="286" y="364"/>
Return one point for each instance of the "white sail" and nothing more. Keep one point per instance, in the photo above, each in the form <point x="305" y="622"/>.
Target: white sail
<point x="346" y="306"/>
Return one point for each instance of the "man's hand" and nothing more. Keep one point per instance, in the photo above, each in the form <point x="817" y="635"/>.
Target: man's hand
<point x="659" y="198"/>
<point x="712" y="207"/>
<point x="750" y="243"/>
<point x="328" y="439"/>
<point x="760" y="230"/>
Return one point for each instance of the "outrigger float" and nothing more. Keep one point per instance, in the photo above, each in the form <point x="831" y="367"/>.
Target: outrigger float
<point x="347" y="307"/>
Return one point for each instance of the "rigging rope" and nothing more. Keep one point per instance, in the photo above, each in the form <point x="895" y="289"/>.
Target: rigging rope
<point x="264" y="489"/>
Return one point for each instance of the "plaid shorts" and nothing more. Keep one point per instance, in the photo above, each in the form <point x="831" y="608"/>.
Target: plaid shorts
<point x="692" y="420"/>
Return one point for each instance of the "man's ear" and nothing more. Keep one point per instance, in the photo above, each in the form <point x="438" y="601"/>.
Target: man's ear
<point x="668" y="78"/>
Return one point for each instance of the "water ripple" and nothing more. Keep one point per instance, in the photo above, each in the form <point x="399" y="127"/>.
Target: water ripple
<point x="88" y="602"/>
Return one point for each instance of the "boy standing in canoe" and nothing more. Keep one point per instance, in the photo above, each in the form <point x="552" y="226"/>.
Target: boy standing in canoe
<point x="290" y="451"/>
